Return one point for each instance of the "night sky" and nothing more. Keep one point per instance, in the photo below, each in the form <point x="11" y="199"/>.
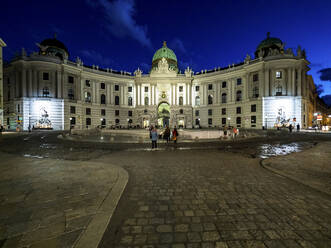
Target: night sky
<point x="124" y="34"/>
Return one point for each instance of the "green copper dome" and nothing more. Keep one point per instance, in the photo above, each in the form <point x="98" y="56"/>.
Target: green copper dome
<point x="164" y="52"/>
<point x="270" y="43"/>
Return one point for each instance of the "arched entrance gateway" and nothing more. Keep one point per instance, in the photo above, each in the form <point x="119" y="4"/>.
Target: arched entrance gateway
<point x="163" y="114"/>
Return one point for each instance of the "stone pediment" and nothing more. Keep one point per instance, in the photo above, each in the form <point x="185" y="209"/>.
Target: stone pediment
<point x="163" y="70"/>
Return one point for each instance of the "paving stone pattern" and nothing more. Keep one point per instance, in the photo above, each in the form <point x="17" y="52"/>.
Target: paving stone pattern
<point x="211" y="199"/>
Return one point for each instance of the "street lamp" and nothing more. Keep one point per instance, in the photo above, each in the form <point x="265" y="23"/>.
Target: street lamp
<point x="229" y="118"/>
<point x="266" y="121"/>
<point x="70" y="119"/>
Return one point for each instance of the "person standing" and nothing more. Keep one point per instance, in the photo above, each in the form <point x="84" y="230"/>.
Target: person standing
<point x="175" y="135"/>
<point x="166" y="134"/>
<point x="298" y="127"/>
<point x="290" y="128"/>
<point x="154" y="137"/>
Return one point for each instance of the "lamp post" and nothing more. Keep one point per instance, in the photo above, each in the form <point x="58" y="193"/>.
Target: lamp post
<point x="229" y="118"/>
<point x="70" y="119"/>
<point x="266" y="121"/>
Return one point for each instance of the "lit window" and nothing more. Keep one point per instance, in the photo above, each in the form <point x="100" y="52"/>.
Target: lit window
<point x="129" y="101"/>
<point x="87" y="96"/>
<point x="146" y="100"/>
<point x="278" y="74"/>
<point x="180" y="100"/>
<point x="197" y="101"/>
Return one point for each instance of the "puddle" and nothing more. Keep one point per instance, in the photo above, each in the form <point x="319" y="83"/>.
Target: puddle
<point x="47" y="146"/>
<point x="32" y="156"/>
<point x="271" y="150"/>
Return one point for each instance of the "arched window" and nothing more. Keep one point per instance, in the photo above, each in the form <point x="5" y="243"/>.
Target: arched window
<point x="146" y="100"/>
<point x="103" y="99"/>
<point x="180" y="101"/>
<point x="87" y="96"/>
<point x="238" y="96"/>
<point x="224" y="98"/>
<point x="210" y="99"/>
<point x="129" y="101"/>
<point x="256" y="92"/>
<point x="197" y="101"/>
<point x="45" y="92"/>
<point x="117" y="100"/>
<point x="71" y="94"/>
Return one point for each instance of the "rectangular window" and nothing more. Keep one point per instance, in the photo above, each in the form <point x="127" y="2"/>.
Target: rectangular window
<point x="146" y="88"/>
<point x="87" y="83"/>
<point x="223" y="121"/>
<point x="238" y="81"/>
<point x="223" y="111"/>
<point x="253" y="119"/>
<point x="117" y="87"/>
<point x="72" y="110"/>
<point x="130" y="113"/>
<point x="224" y="84"/>
<point x="197" y="112"/>
<point x="103" y="112"/>
<point x="197" y="88"/>
<point x="130" y="89"/>
<point x="210" y="86"/>
<point x="88" y="111"/>
<point x="253" y="108"/>
<point x="210" y="112"/>
<point x="45" y="76"/>
<point x="72" y="120"/>
<point x="103" y="86"/>
<point x="238" y="110"/>
<point x="278" y="74"/>
<point x="70" y="79"/>
<point x="180" y="88"/>
<point x="255" y="77"/>
<point x="210" y="121"/>
<point x="117" y="112"/>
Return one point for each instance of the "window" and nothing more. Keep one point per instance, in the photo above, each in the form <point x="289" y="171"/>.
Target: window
<point x="117" y="100"/>
<point x="130" y="113"/>
<point x="255" y="77"/>
<point x="197" y="122"/>
<point x="180" y="101"/>
<point x="223" y="121"/>
<point x="223" y="111"/>
<point x="45" y="76"/>
<point x="210" y="86"/>
<point x="72" y="121"/>
<point x="103" y="122"/>
<point x="224" y="98"/>
<point x="87" y="83"/>
<point x="197" y="88"/>
<point x="87" y="96"/>
<point x="146" y="100"/>
<point x="130" y="101"/>
<point x="197" y="101"/>
<point x="181" y="111"/>
<point x="103" y="86"/>
<point x="197" y="112"/>
<point x="72" y="110"/>
<point x="210" y="99"/>
<point x="103" y="112"/>
<point x="238" y="81"/>
<point x="70" y="79"/>
<point x="88" y="111"/>
<point x="238" y="110"/>
<point x="117" y="121"/>
<point x="224" y="84"/>
<point x="45" y="92"/>
<point x="117" y="112"/>
<point x="210" y="112"/>
<point x="145" y="111"/>
<point x="180" y="88"/>
<point x="278" y="74"/>
<point x="279" y="90"/>
<point x="103" y="99"/>
<point x="116" y="87"/>
<point x="256" y="92"/>
<point x="130" y="121"/>
<point x="210" y="121"/>
<point x="130" y="89"/>
<point x="88" y="121"/>
<point x="146" y="88"/>
<point x="253" y="108"/>
<point x="238" y="120"/>
<point x="238" y="95"/>
<point x="253" y="119"/>
<point x="71" y="94"/>
<point x="18" y="108"/>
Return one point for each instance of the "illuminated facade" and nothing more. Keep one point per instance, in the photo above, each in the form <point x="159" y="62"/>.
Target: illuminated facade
<point x="2" y="44"/>
<point x="273" y="89"/>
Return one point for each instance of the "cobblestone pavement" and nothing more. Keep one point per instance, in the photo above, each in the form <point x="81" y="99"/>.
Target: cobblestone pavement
<point x="213" y="199"/>
<point x="312" y="167"/>
<point x="50" y="203"/>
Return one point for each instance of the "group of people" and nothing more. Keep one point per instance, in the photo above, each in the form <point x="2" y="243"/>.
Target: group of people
<point x="167" y="135"/>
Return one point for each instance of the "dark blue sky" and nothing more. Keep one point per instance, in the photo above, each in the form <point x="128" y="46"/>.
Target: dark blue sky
<point x="124" y="34"/>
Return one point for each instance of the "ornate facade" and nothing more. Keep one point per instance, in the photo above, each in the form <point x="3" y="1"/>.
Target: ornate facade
<point x="2" y="44"/>
<point x="46" y="90"/>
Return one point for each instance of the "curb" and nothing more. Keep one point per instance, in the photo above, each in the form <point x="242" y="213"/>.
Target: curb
<point x="93" y="233"/>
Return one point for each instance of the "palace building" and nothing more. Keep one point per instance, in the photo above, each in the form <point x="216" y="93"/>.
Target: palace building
<point x="45" y="90"/>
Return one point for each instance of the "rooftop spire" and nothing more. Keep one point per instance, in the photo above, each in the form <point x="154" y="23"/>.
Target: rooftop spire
<point x="268" y="35"/>
<point x="164" y="44"/>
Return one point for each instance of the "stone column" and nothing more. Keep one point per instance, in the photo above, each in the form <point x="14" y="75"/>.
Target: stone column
<point x="108" y="86"/>
<point x="78" y="87"/>
<point x="142" y="96"/>
<point x="138" y="94"/>
<point x="112" y="98"/>
<point x="30" y="83"/>
<point x="53" y="90"/>
<point x="267" y="83"/>
<point x="299" y="82"/>
<point x="23" y="83"/>
<point x="155" y="96"/>
<point x="293" y="81"/>
<point x="94" y="93"/>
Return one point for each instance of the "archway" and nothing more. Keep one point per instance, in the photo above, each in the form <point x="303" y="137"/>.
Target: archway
<point x="163" y="114"/>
